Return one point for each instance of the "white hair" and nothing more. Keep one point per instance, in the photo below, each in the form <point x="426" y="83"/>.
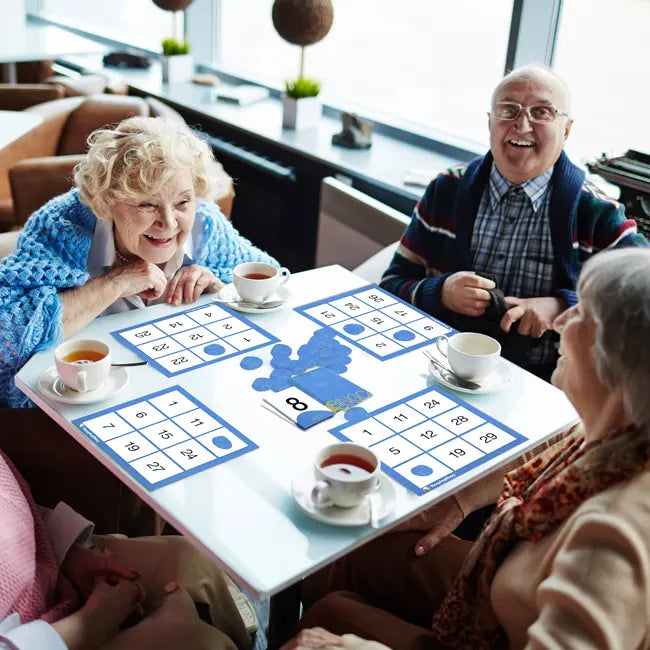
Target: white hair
<point x="615" y="287"/>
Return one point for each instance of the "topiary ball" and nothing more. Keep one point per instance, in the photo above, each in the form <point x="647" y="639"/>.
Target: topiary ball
<point x="172" y="5"/>
<point x="302" y="22"/>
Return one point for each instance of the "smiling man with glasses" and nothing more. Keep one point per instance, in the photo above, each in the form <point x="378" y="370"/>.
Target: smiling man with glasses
<point x="521" y="219"/>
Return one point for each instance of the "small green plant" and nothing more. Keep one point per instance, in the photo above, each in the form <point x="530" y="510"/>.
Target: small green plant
<point x="302" y="87"/>
<point x="171" y="47"/>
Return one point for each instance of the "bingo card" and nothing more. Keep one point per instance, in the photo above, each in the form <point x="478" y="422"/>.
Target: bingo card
<point x="164" y="437"/>
<point x="376" y="321"/>
<point x="429" y="438"/>
<point x="193" y="338"/>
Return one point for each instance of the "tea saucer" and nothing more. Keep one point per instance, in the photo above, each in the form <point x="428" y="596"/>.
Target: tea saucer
<point x="53" y="387"/>
<point x="230" y="293"/>
<point x="497" y="380"/>
<point x="357" y="516"/>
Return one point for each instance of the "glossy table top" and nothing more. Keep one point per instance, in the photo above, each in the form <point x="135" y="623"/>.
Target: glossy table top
<point x="242" y="512"/>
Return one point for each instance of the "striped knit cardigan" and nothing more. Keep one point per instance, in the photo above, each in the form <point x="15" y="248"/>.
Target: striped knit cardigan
<point x="437" y="241"/>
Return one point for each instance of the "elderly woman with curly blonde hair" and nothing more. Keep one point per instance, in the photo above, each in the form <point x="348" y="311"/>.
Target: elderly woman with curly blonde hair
<point x="139" y="228"/>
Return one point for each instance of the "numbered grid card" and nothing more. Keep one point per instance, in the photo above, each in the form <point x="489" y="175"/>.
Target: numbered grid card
<point x="376" y="321"/>
<point x="193" y="338"/>
<point x="429" y="438"/>
<point x="298" y="407"/>
<point x="164" y="437"/>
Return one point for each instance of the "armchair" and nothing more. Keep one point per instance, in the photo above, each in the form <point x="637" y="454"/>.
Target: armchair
<point x="38" y="166"/>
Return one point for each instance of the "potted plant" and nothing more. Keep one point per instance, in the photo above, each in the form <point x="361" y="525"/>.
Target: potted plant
<point x="302" y="22"/>
<point x="301" y="108"/>
<point x="176" y="62"/>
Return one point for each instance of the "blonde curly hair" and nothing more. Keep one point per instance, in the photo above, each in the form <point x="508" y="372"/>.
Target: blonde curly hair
<point x="138" y="157"/>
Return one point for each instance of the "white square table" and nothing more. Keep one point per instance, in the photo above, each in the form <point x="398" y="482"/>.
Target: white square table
<point x="242" y="513"/>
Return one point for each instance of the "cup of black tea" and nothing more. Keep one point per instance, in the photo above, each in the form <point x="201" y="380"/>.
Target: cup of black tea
<point x="345" y="474"/>
<point x="257" y="282"/>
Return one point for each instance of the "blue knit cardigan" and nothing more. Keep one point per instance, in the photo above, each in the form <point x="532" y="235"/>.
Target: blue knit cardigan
<point x="52" y="254"/>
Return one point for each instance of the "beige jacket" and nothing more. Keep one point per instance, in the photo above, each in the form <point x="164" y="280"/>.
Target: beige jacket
<point x="586" y="585"/>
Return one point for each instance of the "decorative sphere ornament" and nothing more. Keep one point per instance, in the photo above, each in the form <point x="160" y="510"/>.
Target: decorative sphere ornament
<point x="302" y="22"/>
<point x="172" y="5"/>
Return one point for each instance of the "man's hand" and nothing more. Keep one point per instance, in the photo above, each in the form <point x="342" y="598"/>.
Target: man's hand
<point x="535" y="315"/>
<point x="465" y="293"/>
<point x="317" y="637"/>
<point x="439" y="520"/>
<point x="189" y="283"/>
<point x="83" y="566"/>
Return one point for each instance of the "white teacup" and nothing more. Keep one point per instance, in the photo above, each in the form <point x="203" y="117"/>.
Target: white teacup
<point x="84" y="364"/>
<point x="345" y="474"/>
<point x="256" y="281"/>
<point x="471" y="355"/>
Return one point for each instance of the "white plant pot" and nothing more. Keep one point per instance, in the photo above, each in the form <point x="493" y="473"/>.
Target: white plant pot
<point x="177" y="68"/>
<point x="304" y="113"/>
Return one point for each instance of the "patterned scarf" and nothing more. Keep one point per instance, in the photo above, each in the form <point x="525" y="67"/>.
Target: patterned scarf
<point x="30" y="581"/>
<point x="537" y="498"/>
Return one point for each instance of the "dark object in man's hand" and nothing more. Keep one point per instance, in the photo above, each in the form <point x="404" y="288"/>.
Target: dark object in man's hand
<point x="356" y="133"/>
<point x="127" y="60"/>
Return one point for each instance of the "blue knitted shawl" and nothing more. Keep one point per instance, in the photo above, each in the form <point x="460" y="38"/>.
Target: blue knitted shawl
<point x="51" y="255"/>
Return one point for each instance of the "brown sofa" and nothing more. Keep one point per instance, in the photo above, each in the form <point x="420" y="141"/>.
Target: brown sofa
<point x="38" y="166"/>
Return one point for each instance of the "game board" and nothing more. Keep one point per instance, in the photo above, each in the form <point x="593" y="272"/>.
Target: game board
<point x="430" y="437"/>
<point x="164" y="437"/>
<point x="376" y="321"/>
<point x="193" y="338"/>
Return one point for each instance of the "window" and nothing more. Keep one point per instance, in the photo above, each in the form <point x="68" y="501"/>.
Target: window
<point x="415" y="61"/>
<point x="602" y="52"/>
<point x="136" y="22"/>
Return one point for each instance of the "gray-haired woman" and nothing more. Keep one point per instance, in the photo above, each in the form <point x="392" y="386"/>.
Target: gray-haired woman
<point x="564" y="561"/>
<point x="138" y="228"/>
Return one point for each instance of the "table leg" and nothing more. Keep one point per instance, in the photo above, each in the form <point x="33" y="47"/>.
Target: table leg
<point x="283" y="615"/>
<point x="11" y="73"/>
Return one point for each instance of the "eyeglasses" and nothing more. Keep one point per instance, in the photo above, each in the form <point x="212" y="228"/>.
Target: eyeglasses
<point x="538" y="114"/>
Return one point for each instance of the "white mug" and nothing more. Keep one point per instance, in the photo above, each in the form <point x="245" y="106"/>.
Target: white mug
<point x="84" y="364"/>
<point x="256" y="281"/>
<point x="471" y="355"/>
<point x="345" y="474"/>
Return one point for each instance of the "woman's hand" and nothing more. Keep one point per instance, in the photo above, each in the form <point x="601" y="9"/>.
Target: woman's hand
<point x="140" y="279"/>
<point x="83" y="566"/>
<point x="190" y="282"/>
<point x="317" y="637"/>
<point x="439" y="520"/>
<point x="99" y="620"/>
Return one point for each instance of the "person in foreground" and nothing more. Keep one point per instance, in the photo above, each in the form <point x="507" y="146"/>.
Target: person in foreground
<point x="522" y="216"/>
<point x="58" y="593"/>
<point x="139" y="228"/>
<point x="564" y="560"/>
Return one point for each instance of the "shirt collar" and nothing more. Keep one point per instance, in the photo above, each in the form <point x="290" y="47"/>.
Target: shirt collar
<point x="535" y="188"/>
<point x="102" y="256"/>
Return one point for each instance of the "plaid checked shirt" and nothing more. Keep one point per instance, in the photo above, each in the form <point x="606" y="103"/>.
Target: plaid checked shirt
<point x="511" y="243"/>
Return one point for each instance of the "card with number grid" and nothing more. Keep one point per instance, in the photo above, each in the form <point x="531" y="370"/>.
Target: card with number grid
<point x="429" y="438"/>
<point x="376" y="321"/>
<point x="164" y="437"/>
<point x="194" y="338"/>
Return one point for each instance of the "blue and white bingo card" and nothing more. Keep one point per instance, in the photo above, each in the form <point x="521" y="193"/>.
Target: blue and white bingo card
<point x="430" y="437"/>
<point x="376" y="321"/>
<point x="194" y="338"/>
<point x="164" y="437"/>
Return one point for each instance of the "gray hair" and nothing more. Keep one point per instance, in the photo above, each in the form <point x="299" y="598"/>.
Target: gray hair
<point x="615" y="287"/>
<point x="536" y="71"/>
